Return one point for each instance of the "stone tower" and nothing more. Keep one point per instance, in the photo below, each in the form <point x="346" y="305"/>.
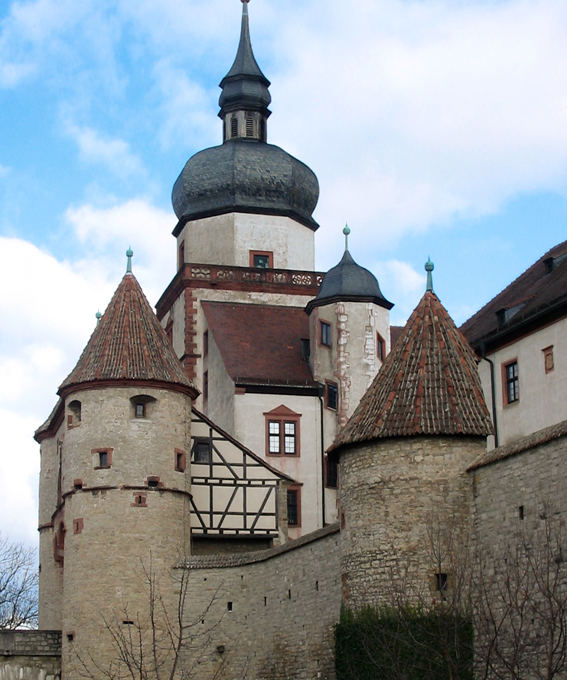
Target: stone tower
<point x="349" y="328"/>
<point x="404" y="494"/>
<point x="115" y="479"/>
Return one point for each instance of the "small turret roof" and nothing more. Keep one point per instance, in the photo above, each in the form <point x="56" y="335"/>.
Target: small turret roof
<point x="428" y="384"/>
<point x="128" y="344"/>
<point x="348" y="281"/>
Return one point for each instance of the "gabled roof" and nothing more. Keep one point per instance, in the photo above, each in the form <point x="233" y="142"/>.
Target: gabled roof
<point x="260" y="344"/>
<point x="428" y="385"/>
<point x="536" y="297"/>
<point x="128" y="344"/>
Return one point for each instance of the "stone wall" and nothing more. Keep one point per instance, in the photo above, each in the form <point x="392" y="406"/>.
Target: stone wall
<point x="268" y="614"/>
<point x="30" y="655"/>
<point x="405" y="506"/>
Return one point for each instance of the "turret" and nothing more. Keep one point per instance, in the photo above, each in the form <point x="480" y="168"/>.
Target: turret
<point x="403" y="454"/>
<point x="119" y="494"/>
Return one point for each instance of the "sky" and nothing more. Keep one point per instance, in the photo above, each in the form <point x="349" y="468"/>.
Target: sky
<point x="436" y="128"/>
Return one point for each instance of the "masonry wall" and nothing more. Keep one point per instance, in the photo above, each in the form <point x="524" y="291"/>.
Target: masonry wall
<point x="405" y="505"/>
<point x="30" y="655"/>
<point x="269" y="614"/>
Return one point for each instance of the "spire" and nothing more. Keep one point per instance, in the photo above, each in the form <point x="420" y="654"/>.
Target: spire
<point x="245" y="96"/>
<point x="346" y="232"/>
<point x="128" y="345"/>
<point x="429" y="267"/>
<point x="129" y="254"/>
<point x="428" y="385"/>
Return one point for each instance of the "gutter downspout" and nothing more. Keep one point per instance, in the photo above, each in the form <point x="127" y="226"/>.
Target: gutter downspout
<point x="492" y="391"/>
<point x="321" y="412"/>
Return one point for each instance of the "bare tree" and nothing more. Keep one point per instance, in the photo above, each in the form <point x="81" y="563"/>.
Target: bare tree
<point x="18" y="586"/>
<point x="163" y="642"/>
<point x="520" y="604"/>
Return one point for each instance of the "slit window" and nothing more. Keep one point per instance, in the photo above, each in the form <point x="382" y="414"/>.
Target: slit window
<point x="380" y="347"/>
<point x="180" y="460"/>
<point x="293" y="507"/>
<point x="511" y="382"/>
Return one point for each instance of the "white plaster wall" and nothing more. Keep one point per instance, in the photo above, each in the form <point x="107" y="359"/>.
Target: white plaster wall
<point x="220" y="404"/>
<point x="228" y="239"/>
<point x="542" y="395"/>
<point x="250" y="429"/>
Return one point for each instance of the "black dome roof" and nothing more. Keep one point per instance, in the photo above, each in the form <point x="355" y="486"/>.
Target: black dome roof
<point x="245" y="176"/>
<point x="348" y="281"/>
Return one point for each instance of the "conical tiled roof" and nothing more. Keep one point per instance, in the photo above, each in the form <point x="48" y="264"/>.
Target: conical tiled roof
<point x="128" y="344"/>
<point x="428" y="385"/>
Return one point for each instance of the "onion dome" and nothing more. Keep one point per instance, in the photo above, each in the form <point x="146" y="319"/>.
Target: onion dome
<point x="128" y="345"/>
<point x="428" y="385"/>
<point x="348" y="282"/>
<point x="245" y="174"/>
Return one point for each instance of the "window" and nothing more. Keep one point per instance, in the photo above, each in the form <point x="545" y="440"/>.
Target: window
<point x="74" y="415"/>
<point x="510" y="382"/>
<point x="78" y="525"/>
<point x="233" y="126"/>
<point x="282" y="432"/>
<point x="205" y="343"/>
<point x="261" y="259"/>
<point x="140" y="500"/>
<point x="205" y="386"/>
<point x="294" y="506"/>
<point x="548" y="359"/>
<point x="202" y="450"/>
<point x="331" y="395"/>
<point x="141" y="405"/>
<point x="180" y="460"/>
<point x="153" y="482"/>
<point x="102" y="458"/>
<point x="249" y="125"/>
<point x="331" y="472"/>
<point x="380" y="347"/>
<point x="325" y="333"/>
<point x="441" y="582"/>
<point x="181" y="255"/>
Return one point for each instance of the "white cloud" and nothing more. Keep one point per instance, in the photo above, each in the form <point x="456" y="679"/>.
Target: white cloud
<point x="114" y="154"/>
<point x="401" y="283"/>
<point x="108" y="232"/>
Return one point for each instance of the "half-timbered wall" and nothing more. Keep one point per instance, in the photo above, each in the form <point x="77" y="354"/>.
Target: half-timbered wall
<point x="235" y="493"/>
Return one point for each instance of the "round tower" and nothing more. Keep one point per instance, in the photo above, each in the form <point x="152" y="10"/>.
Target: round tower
<point x="122" y="511"/>
<point x="403" y="455"/>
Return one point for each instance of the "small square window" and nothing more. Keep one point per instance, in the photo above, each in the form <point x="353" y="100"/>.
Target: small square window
<point x="140" y="500"/>
<point x="103" y="458"/>
<point x="202" y="450"/>
<point x="325" y="333"/>
<point x="261" y="259"/>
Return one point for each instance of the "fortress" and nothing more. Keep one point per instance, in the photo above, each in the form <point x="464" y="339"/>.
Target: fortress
<point x="224" y="473"/>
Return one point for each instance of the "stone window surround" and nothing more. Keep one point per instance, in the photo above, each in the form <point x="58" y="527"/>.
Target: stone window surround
<point x="97" y="457"/>
<point x="180" y="460"/>
<point x="262" y="253"/>
<point x="548" y="362"/>
<point x="283" y="415"/>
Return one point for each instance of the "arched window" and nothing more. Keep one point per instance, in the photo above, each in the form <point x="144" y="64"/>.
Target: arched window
<point x="142" y="405"/>
<point x="74" y="413"/>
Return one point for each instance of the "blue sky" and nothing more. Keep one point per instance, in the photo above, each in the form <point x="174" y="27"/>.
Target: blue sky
<point x="435" y="127"/>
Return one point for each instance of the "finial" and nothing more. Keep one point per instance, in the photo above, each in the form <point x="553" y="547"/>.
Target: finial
<point x="429" y="267"/>
<point x="129" y="254"/>
<point x="98" y="316"/>
<point x="346" y="232"/>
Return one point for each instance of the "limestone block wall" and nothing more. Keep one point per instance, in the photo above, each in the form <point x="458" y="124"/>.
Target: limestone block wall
<point x="30" y="655"/>
<point x="404" y="505"/>
<point x="268" y="614"/>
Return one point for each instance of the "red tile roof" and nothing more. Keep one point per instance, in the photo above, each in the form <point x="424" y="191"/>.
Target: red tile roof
<point x="260" y="343"/>
<point x="428" y="384"/>
<point x="540" y="290"/>
<point x="128" y="344"/>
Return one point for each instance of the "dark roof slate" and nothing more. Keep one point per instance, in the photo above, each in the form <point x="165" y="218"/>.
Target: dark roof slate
<point x="260" y="343"/>
<point x="349" y="281"/>
<point x="538" y="289"/>
<point x="128" y="344"/>
<point x="428" y="384"/>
